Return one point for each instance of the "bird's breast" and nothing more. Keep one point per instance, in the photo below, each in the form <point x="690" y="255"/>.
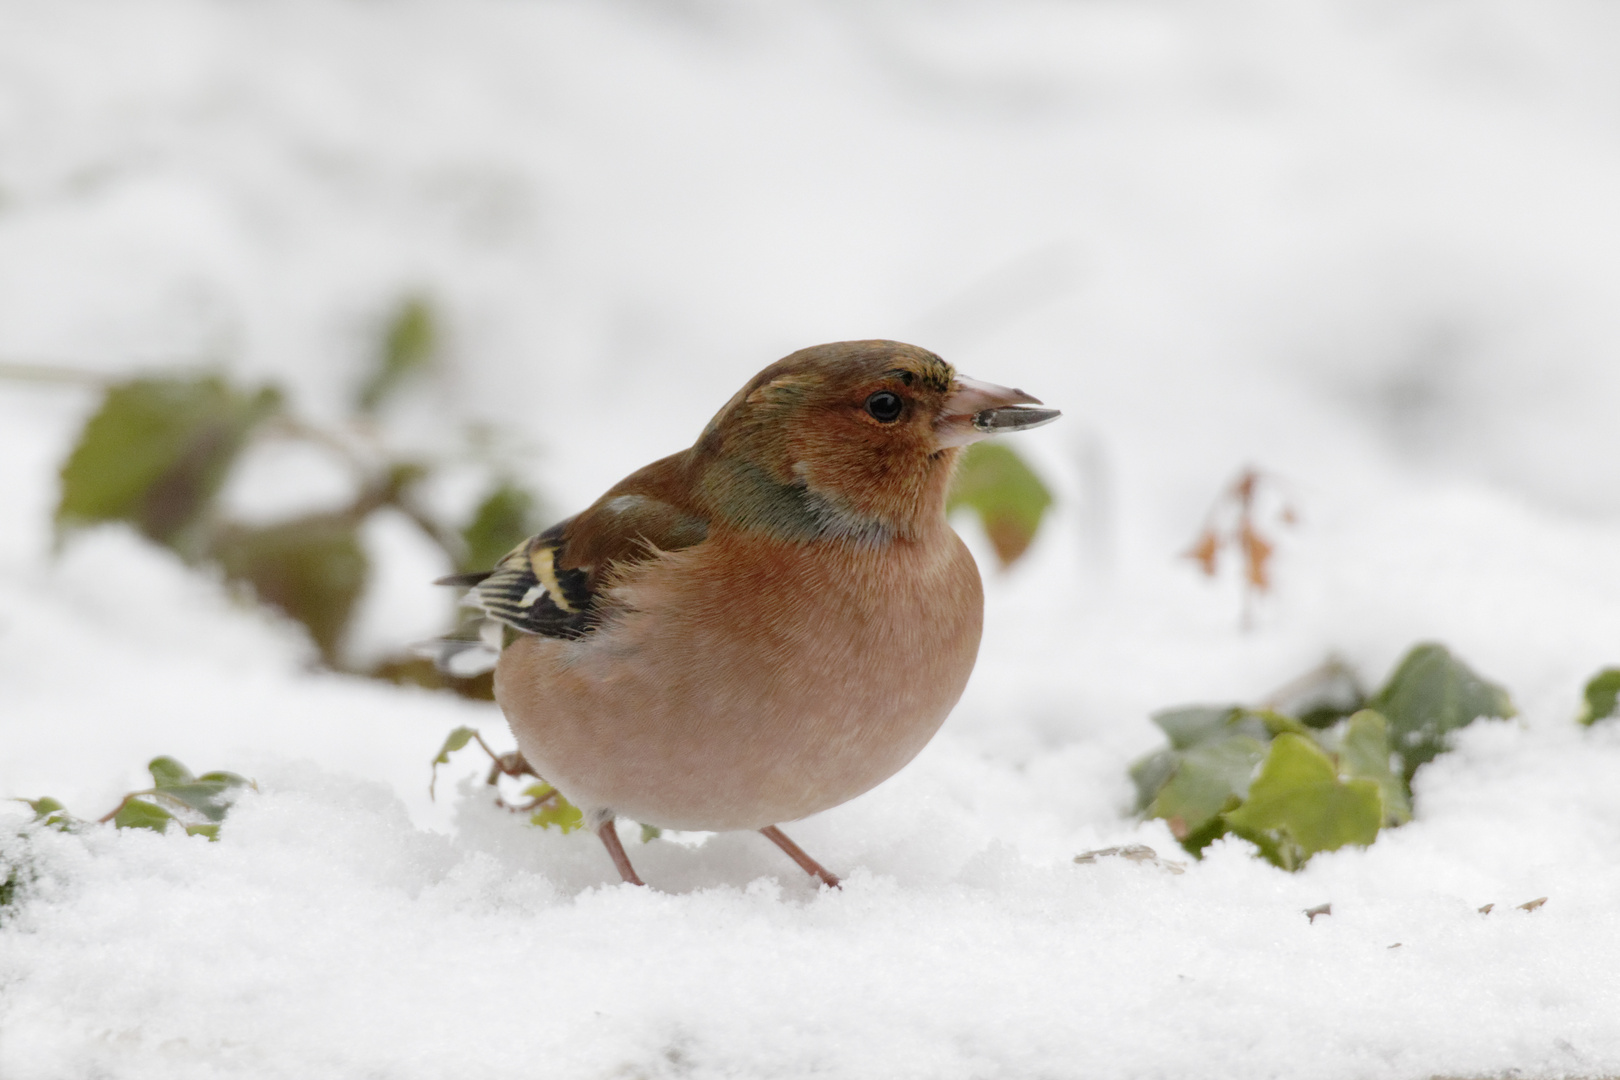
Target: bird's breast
<point x="743" y="682"/>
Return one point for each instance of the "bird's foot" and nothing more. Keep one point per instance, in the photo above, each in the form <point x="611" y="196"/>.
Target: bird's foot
<point x="798" y="855"/>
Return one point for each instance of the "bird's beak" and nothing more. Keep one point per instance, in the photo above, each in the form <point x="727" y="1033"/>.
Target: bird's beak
<point x="976" y="410"/>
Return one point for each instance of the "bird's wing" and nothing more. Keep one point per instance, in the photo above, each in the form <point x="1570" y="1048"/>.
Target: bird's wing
<point x="528" y="591"/>
<point x="551" y="584"/>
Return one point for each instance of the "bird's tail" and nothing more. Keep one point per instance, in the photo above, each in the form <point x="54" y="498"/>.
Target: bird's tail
<point x="471" y="649"/>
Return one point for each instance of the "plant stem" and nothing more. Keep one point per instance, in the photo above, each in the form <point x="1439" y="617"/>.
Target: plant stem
<point x="18" y="371"/>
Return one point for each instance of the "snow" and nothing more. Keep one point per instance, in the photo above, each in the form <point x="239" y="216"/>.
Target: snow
<point x="1370" y="248"/>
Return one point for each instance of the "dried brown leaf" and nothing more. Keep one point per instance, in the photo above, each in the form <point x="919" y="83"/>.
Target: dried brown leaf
<point x="1205" y="551"/>
<point x="1257" y="553"/>
<point x="1245" y="487"/>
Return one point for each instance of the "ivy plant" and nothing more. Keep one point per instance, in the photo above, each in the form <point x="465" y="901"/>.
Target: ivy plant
<point x="196" y="804"/>
<point x="1294" y="788"/>
<point x="158" y="449"/>
<point x="1601" y="698"/>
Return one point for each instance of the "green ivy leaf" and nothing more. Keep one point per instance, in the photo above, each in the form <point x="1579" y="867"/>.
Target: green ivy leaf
<point x="1276" y="723"/>
<point x="1602" y="697"/>
<point x="507" y="516"/>
<point x="16" y="876"/>
<point x="167" y="772"/>
<point x="1150" y="774"/>
<point x="1208" y="779"/>
<point x="210" y="795"/>
<point x="17" y="871"/>
<point x="1190" y="725"/>
<point x="408" y="346"/>
<point x="457" y="739"/>
<point x="1010" y="500"/>
<point x="1431" y="694"/>
<point x="1186" y="727"/>
<point x="453" y="742"/>
<point x="312" y="568"/>
<point x="1323" y="696"/>
<point x="1298" y="806"/>
<point x="44" y="807"/>
<point x="1364" y="753"/>
<point x="560" y="813"/>
<point x="155" y="454"/>
<point x="140" y="814"/>
<point x="50" y="812"/>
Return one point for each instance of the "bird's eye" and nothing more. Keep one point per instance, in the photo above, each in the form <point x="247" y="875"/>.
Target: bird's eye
<point x="885" y="406"/>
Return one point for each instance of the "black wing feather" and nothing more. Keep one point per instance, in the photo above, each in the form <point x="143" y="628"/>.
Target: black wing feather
<point x="529" y="592"/>
<point x="463" y="581"/>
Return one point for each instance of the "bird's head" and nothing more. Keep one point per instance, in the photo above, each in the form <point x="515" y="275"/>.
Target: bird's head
<point x="855" y="438"/>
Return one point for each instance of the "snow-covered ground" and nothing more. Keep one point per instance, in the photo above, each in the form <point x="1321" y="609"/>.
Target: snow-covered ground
<point x="1373" y="248"/>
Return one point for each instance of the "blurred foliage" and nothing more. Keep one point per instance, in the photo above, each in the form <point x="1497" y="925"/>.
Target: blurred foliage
<point x="1366" y="752"/>
<point x="1003" y="491"/>
<point x="507" y="516"/>
<point x="1601" y="699"/>
<point x="408" y="347"/>
<point x="1294" y="789"/>
<point x="17" y="877"/>
<point x="1236" y="523"/>
<point x="1431" y="694"/>
<point x="423" y="672"/>
<point x="157" y="451"/>
<point x="156" y="454"/>
<point x="311" y="568"/>
<point x="1322" y="697"/>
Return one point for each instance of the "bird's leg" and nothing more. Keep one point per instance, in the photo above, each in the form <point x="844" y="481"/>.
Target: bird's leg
<point x="621" y="861"/>
<point x="798" y="855"/>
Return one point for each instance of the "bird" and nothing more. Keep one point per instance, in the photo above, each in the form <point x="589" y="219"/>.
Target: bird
<point x="766" y="624"/>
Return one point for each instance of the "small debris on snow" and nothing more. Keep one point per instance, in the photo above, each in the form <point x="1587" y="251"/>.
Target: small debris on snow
<point x="1136" y="853"/>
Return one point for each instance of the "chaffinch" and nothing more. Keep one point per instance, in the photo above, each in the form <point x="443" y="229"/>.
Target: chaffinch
<point x="766" y="624"/>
